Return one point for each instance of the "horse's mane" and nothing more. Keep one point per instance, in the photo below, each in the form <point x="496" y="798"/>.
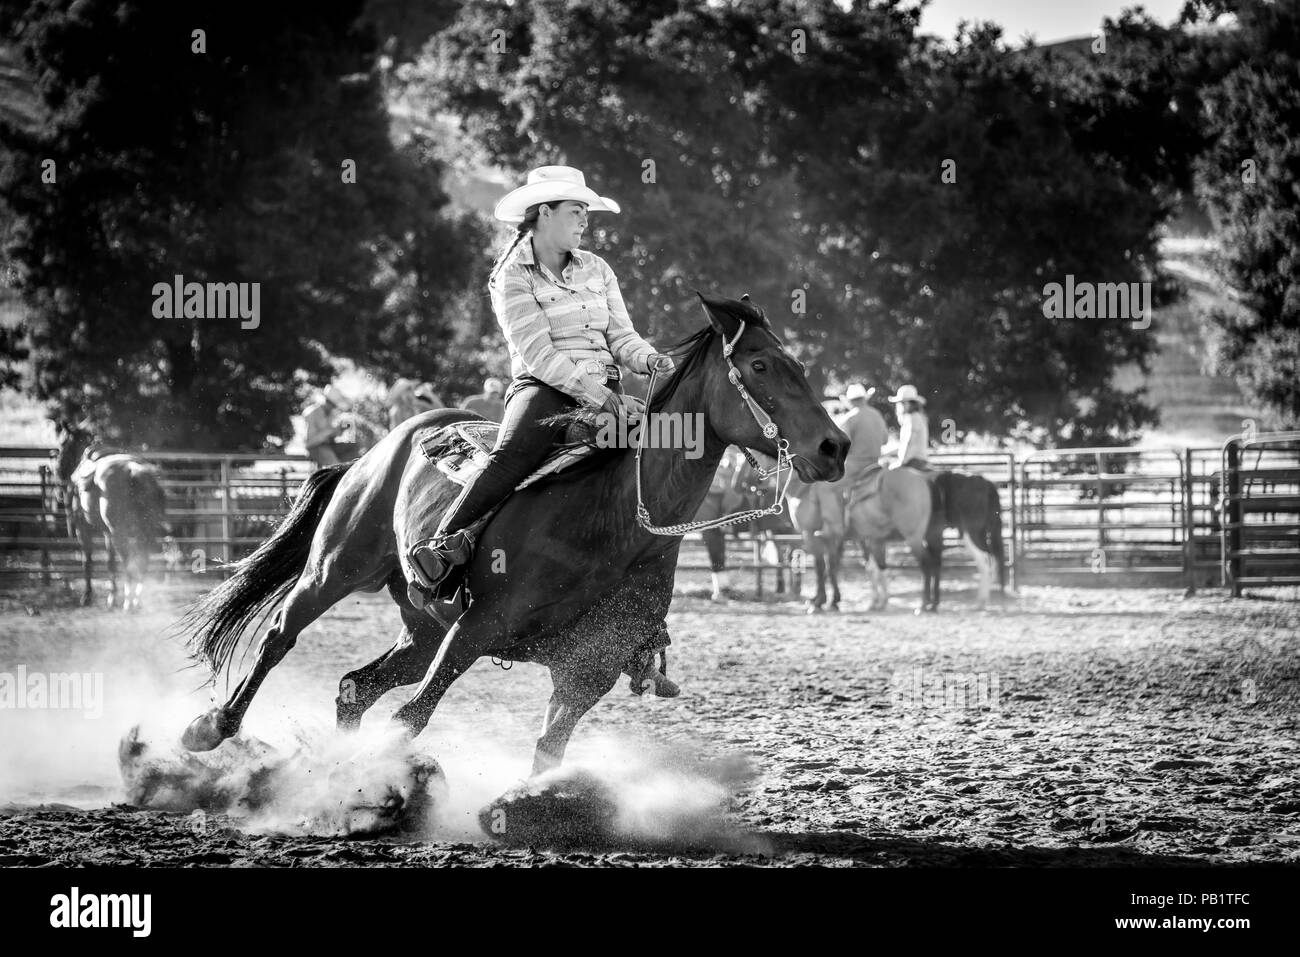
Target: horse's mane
<point x="582" y="425"/>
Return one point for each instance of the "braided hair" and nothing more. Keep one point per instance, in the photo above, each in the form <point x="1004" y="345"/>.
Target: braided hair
<point x="522" y="231"/>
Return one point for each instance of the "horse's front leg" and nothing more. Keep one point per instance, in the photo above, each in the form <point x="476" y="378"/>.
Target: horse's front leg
<point x="572" y="699"/>
<point x="466" y="642"/>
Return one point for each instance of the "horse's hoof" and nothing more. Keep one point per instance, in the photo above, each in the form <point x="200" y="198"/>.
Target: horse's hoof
<point x="205" y="732"/>
<point x="811" y="609"/>
<point x="86" y="600"/>
<point x="347" y="716"/>
<point x="407" y="725"/>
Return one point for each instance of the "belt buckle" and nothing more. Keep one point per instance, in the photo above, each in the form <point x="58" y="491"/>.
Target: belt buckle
<point x="593" y="367"/>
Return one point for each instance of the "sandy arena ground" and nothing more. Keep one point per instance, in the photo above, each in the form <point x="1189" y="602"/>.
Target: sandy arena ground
<point x="1099" y="727"/>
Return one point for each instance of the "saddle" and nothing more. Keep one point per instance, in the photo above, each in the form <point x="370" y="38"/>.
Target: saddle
<point x="460" y="452"/>
<point x="866" y="485"/>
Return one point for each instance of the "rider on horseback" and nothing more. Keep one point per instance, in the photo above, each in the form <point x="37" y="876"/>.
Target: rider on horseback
<point x="914" y="429"/>
<point x="866" y="430"/>
<point x="566" y="326"/>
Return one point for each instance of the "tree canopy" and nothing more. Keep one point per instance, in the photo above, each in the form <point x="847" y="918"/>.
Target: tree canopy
<point x="220" y="156"/>
<point x="900" y="206"/>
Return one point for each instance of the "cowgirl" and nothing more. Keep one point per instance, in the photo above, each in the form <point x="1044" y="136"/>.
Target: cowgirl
<point x="566" y="327"/>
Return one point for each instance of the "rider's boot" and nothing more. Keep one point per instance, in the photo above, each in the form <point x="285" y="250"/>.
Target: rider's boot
<point x="648" y="668"/>
<point x="431" y="561"/>
<point x="645" y="675"/>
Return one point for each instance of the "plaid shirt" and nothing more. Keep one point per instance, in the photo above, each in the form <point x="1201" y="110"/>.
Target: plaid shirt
<point x="555" y="326"/>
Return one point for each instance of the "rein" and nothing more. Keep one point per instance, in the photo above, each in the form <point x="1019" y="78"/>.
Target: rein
<point x="770" y="431"/>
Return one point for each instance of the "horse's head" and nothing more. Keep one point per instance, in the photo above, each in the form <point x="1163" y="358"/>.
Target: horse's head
<point x="74" y="439"/>
<point x="775" y="381"/>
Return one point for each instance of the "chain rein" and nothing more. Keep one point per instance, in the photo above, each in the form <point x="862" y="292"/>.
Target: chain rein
<point x="770" y="430"/>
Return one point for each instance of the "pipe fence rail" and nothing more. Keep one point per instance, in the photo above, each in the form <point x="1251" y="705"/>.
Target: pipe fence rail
<point x="1199" y="517"/>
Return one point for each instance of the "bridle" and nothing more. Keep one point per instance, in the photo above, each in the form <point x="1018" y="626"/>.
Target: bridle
<point x="770" y="431"/>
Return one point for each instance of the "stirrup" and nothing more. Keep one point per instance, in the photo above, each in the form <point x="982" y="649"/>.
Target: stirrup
<point x="433" y="558"/>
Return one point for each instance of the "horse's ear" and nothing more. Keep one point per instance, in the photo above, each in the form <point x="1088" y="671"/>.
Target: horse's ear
<point x="720" y="318"/>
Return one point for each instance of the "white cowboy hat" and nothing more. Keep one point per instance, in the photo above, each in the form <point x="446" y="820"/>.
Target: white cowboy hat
<point x="400" y="390"/>
<point x="333" y="394"/>
<point x="908" y="393"/>
<point x="856" y="391"/>
<point x="551" y="184"/>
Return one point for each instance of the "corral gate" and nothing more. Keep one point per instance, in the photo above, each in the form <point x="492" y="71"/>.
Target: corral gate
<point x="1115" y="513"/>
<point x="1260" y="529"/>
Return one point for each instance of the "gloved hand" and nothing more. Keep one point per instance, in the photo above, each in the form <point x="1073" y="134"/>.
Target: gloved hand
<point x="633" y="407"/>
<point x="662" y="364"/>
<point x="624" y="406"/>
<point x="613" y="403"/>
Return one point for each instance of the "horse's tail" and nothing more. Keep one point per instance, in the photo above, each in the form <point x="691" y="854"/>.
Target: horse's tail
<point x="945" y="499"/>
<point x="996" y="548"/>
<point x="261" y="580"/>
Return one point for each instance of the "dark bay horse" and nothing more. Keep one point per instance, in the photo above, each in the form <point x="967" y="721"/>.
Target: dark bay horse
<point x="110" y="493"/>
<point x="563" y="575"/>
<point x="972" y="506"/>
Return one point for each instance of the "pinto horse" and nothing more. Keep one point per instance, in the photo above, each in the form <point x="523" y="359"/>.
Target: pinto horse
<point x="918" y="508"/>
<point x="117" y="495"/>
<point x="564" y="574"/>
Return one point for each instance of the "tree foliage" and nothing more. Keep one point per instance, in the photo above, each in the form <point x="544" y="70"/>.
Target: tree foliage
<point x="221" y="165"/>
<point x="795" y="151"/>
<point x="1249" y="179"/>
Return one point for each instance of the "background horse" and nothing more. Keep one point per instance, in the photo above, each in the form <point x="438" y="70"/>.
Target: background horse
<point x="905" y="503"/>
<point x="972" y="506"/>
<point x="117" y="495"/>
<point x="818" y="515"/>
<point x="563" y="574"/>
<point x="722" y="498"/>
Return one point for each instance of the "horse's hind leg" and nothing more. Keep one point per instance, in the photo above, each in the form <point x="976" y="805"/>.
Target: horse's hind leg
<point x="86" y="538"/>
<point x="403" y="664"/>
<point x="873" y="553"/>
<point x="926" y="558"/>
<point x="112" y="570"/>
<point x="983" y="568"/>
<point x="307" y="601"/>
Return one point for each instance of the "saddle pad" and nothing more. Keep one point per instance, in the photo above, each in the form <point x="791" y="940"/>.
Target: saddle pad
<point x="460" y="451"/>
<point x="867" y="485"/>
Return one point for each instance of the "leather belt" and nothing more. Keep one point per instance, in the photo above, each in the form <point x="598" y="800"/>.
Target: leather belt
<point x="605" y="370"/>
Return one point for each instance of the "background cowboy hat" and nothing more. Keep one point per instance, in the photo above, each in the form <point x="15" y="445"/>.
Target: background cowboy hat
<point x="856" y="391"/>
<point x="908" y="393"/>
<point x="336" y="397"/>
<point x="551" y="184"/>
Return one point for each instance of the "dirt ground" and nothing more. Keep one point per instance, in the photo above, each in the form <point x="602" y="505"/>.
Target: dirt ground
<point x="1067" y="726"/>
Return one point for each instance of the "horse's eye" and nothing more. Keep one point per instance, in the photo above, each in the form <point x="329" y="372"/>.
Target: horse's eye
<point x="758" y="365"/>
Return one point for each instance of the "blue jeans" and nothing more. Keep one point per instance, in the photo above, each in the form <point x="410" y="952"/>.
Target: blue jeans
<point x="521" y="447"/>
